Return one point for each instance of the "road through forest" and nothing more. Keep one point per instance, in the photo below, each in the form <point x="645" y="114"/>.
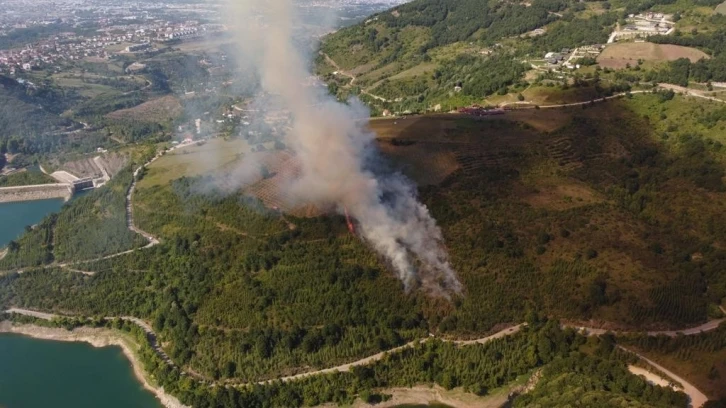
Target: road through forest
<point x="697" y="397"/>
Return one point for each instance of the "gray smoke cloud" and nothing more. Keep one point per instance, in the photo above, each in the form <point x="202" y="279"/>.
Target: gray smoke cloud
<point x="336" y="152"/>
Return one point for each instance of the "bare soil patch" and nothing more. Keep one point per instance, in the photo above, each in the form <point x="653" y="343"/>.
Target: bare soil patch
<point x="561" y="196"/>
<point x="619" y="55"/>
<point x="87" y="167"/>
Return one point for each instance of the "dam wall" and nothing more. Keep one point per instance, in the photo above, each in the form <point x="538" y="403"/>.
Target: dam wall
<point x="36" y="192"/>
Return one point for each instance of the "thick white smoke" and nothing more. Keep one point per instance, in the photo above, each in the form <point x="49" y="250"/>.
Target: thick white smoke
<point x="334" y="151"/>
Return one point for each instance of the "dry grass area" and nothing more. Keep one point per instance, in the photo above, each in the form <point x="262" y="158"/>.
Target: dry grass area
<point x="560" y="195"/>
<point x="155" y="110"/>
<point x="283" y="169"/>
<point x="617" y="56"/>
<point x="194" y="160"/>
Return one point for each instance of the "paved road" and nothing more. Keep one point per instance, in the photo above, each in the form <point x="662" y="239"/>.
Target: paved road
<point x="654" y="378"/>
<point x="686" y="91"/>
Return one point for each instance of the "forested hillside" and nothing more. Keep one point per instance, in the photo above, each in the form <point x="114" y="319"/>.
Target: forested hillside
<point x="578" y="214"/>
<point x="435" y="55"/>
<point x="89" y="227"/>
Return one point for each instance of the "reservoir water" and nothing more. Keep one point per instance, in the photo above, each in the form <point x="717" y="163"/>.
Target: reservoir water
<point x="40" y="373"/>
<point x="15" y="216"/>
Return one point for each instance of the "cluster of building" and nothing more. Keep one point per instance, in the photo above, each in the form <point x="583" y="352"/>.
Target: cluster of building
<point x="68" y="46"/>
<point x="97" y="28"/>
<point x="570" y="58"/>
<point x="641" y="26"/>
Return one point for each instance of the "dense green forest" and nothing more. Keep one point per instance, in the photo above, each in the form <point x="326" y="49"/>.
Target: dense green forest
<point x="705" y="70"/>
<point x="95" y="224"/>
<point x="458" y="20"/>
<point x="34" y="248"/>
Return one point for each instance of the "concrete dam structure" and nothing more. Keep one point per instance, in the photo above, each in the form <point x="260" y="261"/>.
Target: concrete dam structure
<point x="36" y="192"/>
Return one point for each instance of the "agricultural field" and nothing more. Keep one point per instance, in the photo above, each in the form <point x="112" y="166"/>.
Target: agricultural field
<point x="618" y="55"/>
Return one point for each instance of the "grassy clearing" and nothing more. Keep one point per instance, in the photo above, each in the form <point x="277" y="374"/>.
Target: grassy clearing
<point x="207" y="45"/>
<point x="423" y="69"/>
<point x="84" y="88"/>
<point x="682" y="115"/>
<point x="194" y="160"/>
<point x="155" y="110"/>
<point x="25" y="178"/>
<point x="543" y="95"/>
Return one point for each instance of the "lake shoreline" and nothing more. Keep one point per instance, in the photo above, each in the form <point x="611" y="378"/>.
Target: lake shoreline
<point x="96" y="337"/>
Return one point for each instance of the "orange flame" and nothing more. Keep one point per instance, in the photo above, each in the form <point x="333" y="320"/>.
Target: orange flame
<point x="351" y="227"/>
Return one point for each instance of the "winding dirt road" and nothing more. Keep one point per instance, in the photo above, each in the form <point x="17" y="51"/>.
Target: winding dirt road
<point x="352" y="77"/>
<point x="697" y="397"/>
<point x="706" y="327"/>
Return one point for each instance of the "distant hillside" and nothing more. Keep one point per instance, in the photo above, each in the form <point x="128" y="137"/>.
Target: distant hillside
<point x="410" y="30"/>
<point x="439" y="54"/>
<point x="427" y="48"/>
<point x="30" y="114"/>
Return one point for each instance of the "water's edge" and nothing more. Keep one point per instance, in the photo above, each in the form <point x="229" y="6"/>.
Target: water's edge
<point x="96" y="338"/>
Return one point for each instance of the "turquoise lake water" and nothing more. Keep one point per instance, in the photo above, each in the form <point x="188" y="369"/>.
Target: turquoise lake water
<point x="15" y="216"/>
<point x="42" y="374"/>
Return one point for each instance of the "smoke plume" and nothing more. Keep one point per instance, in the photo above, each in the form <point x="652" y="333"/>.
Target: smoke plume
<point x="336" y="153"/>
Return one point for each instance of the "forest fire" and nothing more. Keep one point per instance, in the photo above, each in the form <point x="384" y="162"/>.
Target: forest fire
<point x="351" y="227"/>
